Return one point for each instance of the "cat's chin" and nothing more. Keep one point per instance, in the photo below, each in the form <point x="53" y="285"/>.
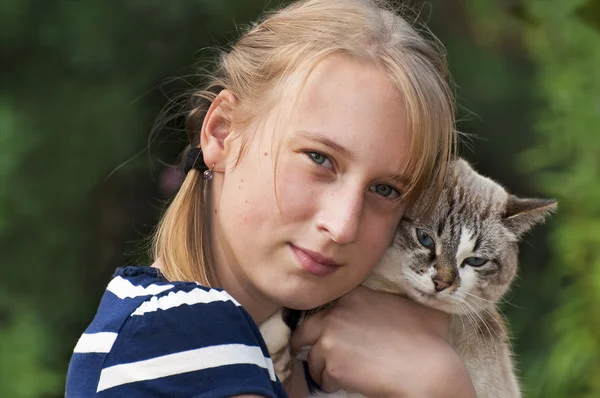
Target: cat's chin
<point x="434" y="301"/>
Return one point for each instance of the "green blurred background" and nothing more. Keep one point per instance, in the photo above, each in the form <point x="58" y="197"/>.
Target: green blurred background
<point x="82" y="180"/>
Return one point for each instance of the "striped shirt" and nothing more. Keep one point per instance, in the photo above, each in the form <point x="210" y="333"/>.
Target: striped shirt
<point x="153" y="338"/>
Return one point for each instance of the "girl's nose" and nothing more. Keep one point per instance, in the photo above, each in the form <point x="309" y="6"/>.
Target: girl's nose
<point x="341" y="215"/>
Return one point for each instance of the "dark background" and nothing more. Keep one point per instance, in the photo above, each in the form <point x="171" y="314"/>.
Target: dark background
<point x="82" y="180"/>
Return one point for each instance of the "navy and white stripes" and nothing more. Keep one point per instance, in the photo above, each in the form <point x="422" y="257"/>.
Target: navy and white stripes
<point x="154" y="338"/>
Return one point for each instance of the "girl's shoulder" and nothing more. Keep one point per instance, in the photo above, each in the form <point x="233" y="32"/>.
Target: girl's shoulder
<point x="144" y="289"/>
<point x="152" y="332"/>
<point x="141" y="295"/>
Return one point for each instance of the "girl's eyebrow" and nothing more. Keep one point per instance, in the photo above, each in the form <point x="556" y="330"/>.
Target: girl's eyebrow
<point x="328" y="142"/>
<point x="400" y="180"/>
<point x="322" y="139"/>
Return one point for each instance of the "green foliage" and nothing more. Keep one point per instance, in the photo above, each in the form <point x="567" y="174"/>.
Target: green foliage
<point x="77" y="102"/>
<point x="23" y="355"/>
<point x="566" y="50"/>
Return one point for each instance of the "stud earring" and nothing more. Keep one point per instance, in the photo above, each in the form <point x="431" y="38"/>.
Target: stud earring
<point x="208" y="174"/>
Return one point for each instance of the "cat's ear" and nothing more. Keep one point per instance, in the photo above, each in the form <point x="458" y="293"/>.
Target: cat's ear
<point x="521" y="215"/>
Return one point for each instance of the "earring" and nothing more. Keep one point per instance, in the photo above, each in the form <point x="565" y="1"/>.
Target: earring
<point x="208" y="174"/>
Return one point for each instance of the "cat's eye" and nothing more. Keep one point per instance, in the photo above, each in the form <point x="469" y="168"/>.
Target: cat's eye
<point x="320" y="159"/>
<point x="475" y="261"/>
<point x="425" y="239"/>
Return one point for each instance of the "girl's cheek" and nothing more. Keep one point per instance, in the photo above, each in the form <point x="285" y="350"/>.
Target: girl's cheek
<point x="297" y="191"/>
<point x="381" y="230"/>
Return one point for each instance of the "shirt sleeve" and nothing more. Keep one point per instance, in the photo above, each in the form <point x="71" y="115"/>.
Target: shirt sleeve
<point x="195" y="343"/>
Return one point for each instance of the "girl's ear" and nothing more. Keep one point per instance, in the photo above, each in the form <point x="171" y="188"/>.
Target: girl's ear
<point x="216" y="128"/>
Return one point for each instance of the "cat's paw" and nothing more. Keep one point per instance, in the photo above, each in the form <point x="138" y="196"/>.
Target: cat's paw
<point x="282" y="363"/>
<point x="302" y="354"/>
<point x="277" y="337"/>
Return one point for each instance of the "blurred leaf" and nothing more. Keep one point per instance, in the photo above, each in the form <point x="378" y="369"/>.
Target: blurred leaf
<point x="81" y="88"/>
<point x="566" y="161"/>
<point x="23" y="342"/>
<point x="590" y="13"/>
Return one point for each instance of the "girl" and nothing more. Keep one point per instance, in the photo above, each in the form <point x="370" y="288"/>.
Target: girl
<point x="319" y="127"/>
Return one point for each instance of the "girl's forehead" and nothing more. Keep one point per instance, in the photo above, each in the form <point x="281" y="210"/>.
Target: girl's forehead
<point x="343" y="107"/>
<point x="348" y="107"/>
<point x="337" y="76"/>
<point x="353" y="98"/>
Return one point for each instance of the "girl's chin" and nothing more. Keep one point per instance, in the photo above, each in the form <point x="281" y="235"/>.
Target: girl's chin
<point x="299" y="294"/>
<point x="302" y="304"/>
<point x="303" y="300"/>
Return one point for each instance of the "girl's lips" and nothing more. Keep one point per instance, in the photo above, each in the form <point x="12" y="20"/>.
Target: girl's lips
<point x="314" y="262"/>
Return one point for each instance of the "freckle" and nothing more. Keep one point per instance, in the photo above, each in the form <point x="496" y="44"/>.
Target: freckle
<point x="239" y="187"/>
<point x="216" y="211"/>
<point x="266" y="153"/>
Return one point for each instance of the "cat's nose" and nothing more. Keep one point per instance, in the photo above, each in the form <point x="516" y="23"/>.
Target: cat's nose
<point x="440" y="285"/>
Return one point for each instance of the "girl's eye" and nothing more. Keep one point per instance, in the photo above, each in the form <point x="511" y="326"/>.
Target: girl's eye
<point x="475" y="261"/>
<point x="320" y="159"/>
<point x="425" y="239"/>
<point x="385" y="190"/>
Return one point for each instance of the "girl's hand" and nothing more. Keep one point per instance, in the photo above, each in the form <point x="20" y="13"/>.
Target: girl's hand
<point x="382" y="345"/>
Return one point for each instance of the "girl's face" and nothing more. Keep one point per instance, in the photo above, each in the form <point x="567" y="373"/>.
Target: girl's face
<point x="309" y="227"/>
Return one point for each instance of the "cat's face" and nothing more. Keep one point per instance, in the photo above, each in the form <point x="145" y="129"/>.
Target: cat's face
<point x="463" y="257"/>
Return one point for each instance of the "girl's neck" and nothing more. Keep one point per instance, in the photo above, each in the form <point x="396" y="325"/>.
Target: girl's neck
<point x="257" y="305"/>
<point x="259" y="309"/>
<point x="231" y="279"/>
<point x="229" y="275"/>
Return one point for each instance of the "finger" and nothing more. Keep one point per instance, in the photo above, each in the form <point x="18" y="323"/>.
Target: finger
<point x="320" y="372"/>
<point x="329" y="383"/>
<point x="308" y="332"/>
<point x="316" y="364"/>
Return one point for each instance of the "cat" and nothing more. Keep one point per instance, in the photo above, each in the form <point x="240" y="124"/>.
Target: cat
<point x="460" y="259"/>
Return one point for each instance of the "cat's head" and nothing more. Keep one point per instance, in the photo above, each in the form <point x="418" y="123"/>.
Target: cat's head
<point x="463" y="256"/>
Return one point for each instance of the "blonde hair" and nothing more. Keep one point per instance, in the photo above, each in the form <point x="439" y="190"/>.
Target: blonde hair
<point x="297" y="38"/>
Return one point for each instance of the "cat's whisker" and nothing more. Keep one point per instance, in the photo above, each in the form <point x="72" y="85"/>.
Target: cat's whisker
<point x="465" y="310"/>
<point x="508" y="302"/>
<point x="487" y="311"/>
<point x="498" y="309"/>
<point x="476" y="324"/>
<point x="482" y="308"/>
<point x="472" y="321"/>
<point x="482" y="321"/>
<point x="490" y="330"/>
<point x="478" y="298"/>
<point x="500" y="312"/>
<point x="462" y="324"/>
<point x="502" y="328"/>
